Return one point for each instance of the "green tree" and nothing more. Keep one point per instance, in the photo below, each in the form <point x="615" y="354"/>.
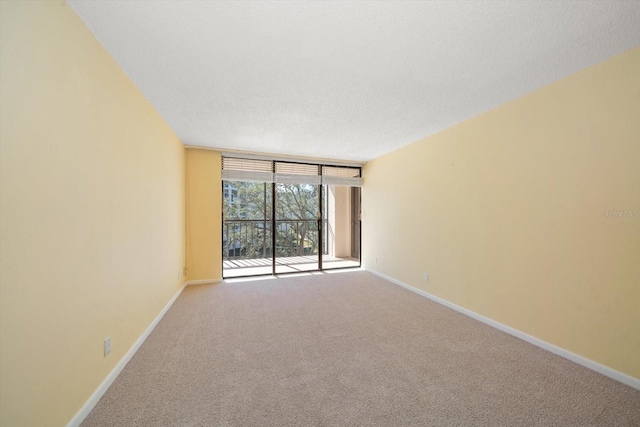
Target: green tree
<point x="297" y="210"/>
<point x="247" y="218"/>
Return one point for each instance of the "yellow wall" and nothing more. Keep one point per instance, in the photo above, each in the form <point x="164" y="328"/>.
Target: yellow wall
<point x="507" y="212"/>
<point x="92" y="213"/>
<point x="204" y="220"/>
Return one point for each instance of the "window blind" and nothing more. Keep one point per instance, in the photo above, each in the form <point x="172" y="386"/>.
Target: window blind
<point x="297" y="173"/>
<point x="235" y="169"/>
<point x="335" y="175"/>
<point x="258" y="170"/>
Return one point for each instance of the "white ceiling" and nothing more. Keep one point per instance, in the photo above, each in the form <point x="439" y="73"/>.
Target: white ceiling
<point x="347" y="80"/>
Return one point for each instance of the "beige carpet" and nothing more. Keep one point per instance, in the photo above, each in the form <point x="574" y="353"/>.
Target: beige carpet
<point x="346" y="349"/>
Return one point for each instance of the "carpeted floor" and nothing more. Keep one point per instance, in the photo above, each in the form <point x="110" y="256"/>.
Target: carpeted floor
<point x="346" y="349"/>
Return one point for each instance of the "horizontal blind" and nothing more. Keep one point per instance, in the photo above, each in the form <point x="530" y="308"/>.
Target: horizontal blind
<point x="289" y="159"/>
<point x="297" y="173"/>
<point x="335" y="175"/>
<point x="258" y="170"/>
<point x="234" y="169"/>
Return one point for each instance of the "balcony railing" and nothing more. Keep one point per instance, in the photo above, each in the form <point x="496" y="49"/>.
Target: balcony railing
<point x="248" y="239"/>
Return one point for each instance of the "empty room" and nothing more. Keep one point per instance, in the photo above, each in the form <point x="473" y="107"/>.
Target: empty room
<point x="319" y="213"/>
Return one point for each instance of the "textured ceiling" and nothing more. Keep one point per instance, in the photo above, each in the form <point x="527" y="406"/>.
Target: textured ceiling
<point x="347" y="80"/>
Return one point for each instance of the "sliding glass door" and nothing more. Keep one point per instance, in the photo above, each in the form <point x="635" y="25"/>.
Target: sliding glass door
<point x="297" y="227"/>
<point x="285" y="217"/>
<point x="341" y="227"/>
<point x="246" y="228"/>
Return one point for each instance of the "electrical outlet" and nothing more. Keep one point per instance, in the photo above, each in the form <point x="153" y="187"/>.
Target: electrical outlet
<point x="376" y="260"/>
<point x="107" y="346"/>
<point x="425" y="277"/>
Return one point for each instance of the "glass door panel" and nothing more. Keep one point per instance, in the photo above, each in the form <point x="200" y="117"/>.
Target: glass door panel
<point x="341" y="227"/>
<point x="246" y="229"/>
<point x="296" y="227"/>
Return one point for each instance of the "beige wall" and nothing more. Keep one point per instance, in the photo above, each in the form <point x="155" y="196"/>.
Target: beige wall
<point x="204" y="220"/>
<point x="92" y="213"/>
<point x="342" y="208"/>
<point x="339" y="221"/>
<point x="509" y="213"/>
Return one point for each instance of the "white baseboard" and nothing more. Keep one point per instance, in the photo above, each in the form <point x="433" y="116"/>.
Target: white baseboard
<point x="588" y="363"/>
<point x="102" y="388"/>
<point x="202" y="282"/>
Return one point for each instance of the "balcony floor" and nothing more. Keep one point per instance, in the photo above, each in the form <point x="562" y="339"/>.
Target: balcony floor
<point x="258" y="266"/>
